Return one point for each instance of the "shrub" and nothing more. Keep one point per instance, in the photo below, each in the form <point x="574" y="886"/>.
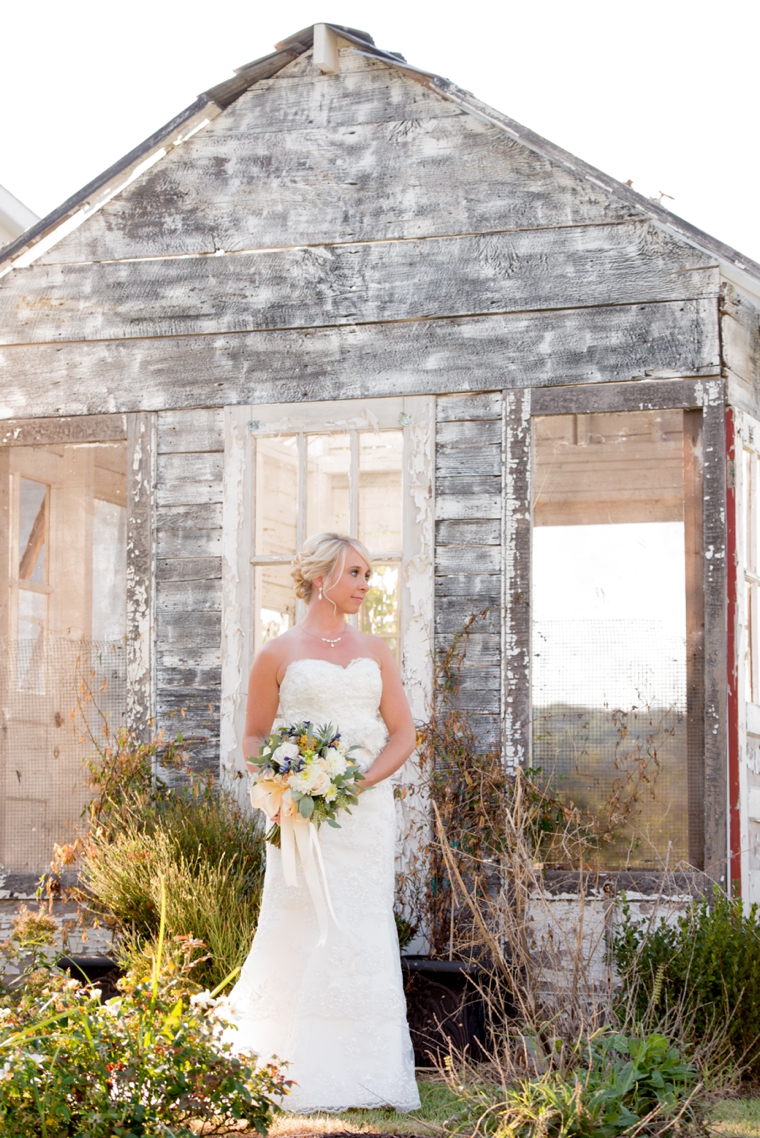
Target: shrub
<point x="146" y="1064"/>
<point x="703" y="972"/>
<point x="211" y="856"/>
<point x="621" y="1084"/>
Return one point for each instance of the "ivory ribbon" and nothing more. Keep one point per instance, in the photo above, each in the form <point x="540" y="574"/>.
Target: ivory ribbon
<point x="296" y="833"/>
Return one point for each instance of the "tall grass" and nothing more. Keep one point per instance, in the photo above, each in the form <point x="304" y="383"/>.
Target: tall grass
<point x="211" y="856"/>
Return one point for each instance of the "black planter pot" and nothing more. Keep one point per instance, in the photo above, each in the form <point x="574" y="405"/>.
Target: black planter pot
<point x="445" y="1010"/>
<point x="100" y="971"/>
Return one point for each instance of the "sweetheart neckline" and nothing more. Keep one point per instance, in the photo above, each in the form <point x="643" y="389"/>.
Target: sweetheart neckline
<point x="330" y="663"/>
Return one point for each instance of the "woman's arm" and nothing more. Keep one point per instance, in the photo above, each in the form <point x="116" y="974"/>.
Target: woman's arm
<point x="263" y="701"/>
<point x="397" y="717"/>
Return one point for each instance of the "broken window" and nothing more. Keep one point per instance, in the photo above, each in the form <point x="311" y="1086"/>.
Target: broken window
<point x="63" y="628"/>
<point x="617" y="605"/>
<point x="314" y="481"/>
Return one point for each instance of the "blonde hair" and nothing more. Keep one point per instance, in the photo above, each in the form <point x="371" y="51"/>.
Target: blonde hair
<point x="321" y="556"/>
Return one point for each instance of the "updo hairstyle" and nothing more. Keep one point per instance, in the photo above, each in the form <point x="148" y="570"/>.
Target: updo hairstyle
<point x="323" y="555"/>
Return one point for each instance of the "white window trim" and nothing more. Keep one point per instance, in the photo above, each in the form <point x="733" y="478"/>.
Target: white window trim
<point x="416" y="415"/>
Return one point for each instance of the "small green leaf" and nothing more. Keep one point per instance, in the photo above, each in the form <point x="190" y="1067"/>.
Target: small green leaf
<point x="306" y="806"/>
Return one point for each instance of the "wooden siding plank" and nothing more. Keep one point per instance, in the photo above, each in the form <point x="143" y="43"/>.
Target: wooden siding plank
<point x="312" y="186"/>
<point x="188" y="569"/>
<point x="190" y="467"/>
<point x="453" y="462"/>
<point x="452" y="613"/>
<point x="190" y="630"/>
<point x="311" y="287"/>
<point x="479" y="590"/>
<point x="190" y="543"/>
<point x="482" y="650"/>
<point x="189" y="677"/>
<point x="455" y="408"/>
<point x="464" y="507"/>
<point x="189" y="596"/>
<point x="474" y="559"/>
<point x="190" y="432"/>
<point x="463" y="434"/>
<point x="372" y="93"/>
<point x="187" y="493"/>
<point x="536" y="349"/>
<point x="472" y="531"/>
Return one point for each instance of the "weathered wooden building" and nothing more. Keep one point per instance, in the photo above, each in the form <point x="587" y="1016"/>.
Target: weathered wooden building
<point x="340" y="292"/>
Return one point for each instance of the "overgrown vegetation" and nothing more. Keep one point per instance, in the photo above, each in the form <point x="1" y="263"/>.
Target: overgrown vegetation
<point x="582" y="1040"/>
<point x="701" y="970"/>
<point x="194" y="836"/>
<point x="149" y="1063"/>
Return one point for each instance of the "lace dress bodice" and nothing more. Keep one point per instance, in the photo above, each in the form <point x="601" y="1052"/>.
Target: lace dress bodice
<point x="346" y="697"/>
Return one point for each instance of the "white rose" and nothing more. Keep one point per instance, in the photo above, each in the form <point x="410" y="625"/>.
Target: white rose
<point x="285" y="751"/>
<point x="320" y="780"/>
<point x="335" y="761"/>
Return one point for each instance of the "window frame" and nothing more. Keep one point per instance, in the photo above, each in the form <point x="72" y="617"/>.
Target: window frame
<point x="415" y="416"/>
<point x="519" y="408"/>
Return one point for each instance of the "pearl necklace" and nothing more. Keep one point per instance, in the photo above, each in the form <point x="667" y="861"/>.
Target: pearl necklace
<point x="326" y="639"/>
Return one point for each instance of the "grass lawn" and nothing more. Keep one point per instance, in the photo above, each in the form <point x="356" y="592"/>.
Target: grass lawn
<point x="736" y="1118"/>
<point x="437" y="1105"/>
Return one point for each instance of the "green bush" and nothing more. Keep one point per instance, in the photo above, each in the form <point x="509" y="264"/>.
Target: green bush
<point x="701" y="973"/>
<point x="621" y="1084"/>
<point x="211" y="856"/>
<point x="144" y="1065"/>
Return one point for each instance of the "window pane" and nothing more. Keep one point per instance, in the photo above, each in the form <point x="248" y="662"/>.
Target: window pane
<point x="30" y="662"/>
<point x="109" y="571"/>
<point x="32" y="531"/>
<point x="610" y="627"/>
<point x="379" y="614"/>
<point x="380" y="458"/>
<point x="275" y="601"/>
<point x="276" y="495"/>
<point x="327" y="489"/>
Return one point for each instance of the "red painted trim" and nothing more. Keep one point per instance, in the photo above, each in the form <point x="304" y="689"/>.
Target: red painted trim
<point x="734" y="818"/>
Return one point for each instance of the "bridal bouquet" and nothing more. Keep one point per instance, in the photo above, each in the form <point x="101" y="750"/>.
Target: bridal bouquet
<point x="304" y="770"/>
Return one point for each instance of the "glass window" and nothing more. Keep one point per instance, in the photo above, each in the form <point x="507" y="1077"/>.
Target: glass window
<point x="277" y="494"/>
<point x="63" y="628"/>
<point x="351" y="483"/>
<point x="380" y="497"/>
<point x="328" y="504"/>
<point x="616" y="640"/>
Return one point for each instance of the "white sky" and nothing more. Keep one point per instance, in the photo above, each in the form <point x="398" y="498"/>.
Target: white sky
<point x="618" y="591"/>
<point x="661" y="91"/>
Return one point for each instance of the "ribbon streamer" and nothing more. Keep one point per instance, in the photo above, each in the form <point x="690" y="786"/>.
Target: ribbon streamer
<point x="297" y="834"/>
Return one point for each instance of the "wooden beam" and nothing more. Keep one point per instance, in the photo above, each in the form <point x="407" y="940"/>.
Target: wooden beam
<point x="716" y="664"/>
<point x="312" y="287"/>
<point x="516" y="680"/>
<point x="326" y="56"/>
<point x="141" y="481"/>
<point x="596" y="345"/>
<point x="645" y="395"/>
<point x="78" y="429"/>
<point x="694" y="550"/>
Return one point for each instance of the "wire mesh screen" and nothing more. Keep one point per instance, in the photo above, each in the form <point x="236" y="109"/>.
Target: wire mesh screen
<point x="610" y="732"/>
<point x="58" y="695"/>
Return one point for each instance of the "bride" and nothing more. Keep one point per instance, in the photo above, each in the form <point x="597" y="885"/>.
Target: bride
<point x="335" y="1013"/>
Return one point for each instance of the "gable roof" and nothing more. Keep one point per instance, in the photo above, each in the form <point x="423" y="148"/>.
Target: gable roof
<point x="741" y="270"/>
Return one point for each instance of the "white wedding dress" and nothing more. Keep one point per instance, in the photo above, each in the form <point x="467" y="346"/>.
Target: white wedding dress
<point x="336" y="1014"/>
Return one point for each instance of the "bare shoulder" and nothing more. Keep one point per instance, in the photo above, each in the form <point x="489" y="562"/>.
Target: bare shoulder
<point x="272" y="655"/>
<point x="377" y="648"/>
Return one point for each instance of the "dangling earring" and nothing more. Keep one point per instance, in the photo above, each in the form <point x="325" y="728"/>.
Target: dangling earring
<point x="320" y="593"/>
